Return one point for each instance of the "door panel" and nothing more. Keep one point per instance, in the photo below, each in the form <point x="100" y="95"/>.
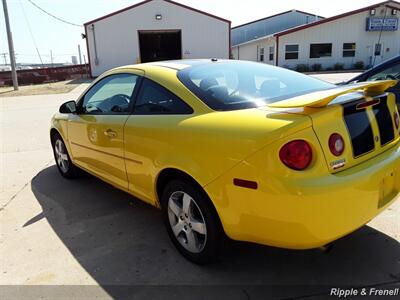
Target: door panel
<point x="97" y="145"/>
<point x="96" y="133"/>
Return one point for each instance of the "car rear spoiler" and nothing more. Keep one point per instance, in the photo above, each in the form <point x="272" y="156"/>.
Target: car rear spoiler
<point x="323" y="98"/>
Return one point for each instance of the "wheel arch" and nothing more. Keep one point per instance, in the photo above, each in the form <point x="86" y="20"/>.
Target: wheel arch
<point x="60" y="130"/>
<point x="53" y="133"/>
<point x="168" y="174"/>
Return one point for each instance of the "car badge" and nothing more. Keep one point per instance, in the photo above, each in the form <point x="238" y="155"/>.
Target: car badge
<point x="338" y="164"/>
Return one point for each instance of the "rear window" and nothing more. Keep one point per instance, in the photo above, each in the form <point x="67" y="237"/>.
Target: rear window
<point x="239" y="85"/>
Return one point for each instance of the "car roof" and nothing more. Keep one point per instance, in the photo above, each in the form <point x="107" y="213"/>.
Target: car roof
<point x="173" y="64"/>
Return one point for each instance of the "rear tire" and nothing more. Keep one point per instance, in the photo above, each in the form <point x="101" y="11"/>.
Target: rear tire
<point x="191" y="222"/>
<point x="62" y="158"/>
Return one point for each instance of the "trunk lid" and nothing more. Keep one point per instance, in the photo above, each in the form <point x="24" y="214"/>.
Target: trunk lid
<point x="362" y="114"/>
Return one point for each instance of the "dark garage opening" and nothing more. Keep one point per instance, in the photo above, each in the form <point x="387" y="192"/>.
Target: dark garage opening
<point x="160" y="45"/>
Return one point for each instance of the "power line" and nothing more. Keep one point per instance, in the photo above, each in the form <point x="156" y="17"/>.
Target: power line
<point x="53" y="16"/>
<point x="25" y="54"/>
<point x="30" y="31"/>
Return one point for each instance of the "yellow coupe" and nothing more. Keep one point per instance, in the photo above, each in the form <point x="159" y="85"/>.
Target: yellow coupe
<point x="239" y="149"/>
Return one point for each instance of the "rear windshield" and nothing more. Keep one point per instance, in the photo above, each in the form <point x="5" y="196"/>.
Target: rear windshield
<point x="231" y="85"/>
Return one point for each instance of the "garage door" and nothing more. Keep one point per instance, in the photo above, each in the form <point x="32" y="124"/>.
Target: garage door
<point x="160" y="45"/>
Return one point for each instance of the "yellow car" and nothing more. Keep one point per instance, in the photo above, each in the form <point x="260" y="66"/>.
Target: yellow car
<point x="239" y="149"/>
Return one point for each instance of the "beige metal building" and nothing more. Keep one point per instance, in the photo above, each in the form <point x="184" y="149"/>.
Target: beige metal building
<point x="155" y="30"/>
<point x="369" y="35"/>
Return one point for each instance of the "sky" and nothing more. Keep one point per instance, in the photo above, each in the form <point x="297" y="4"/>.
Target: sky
<point x="32" y="29"/>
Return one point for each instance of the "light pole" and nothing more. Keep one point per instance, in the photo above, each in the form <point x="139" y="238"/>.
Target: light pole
<point x="10" y="47"/>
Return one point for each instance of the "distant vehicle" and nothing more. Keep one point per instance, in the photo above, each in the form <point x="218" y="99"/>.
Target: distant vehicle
<point x="389" y="69"/>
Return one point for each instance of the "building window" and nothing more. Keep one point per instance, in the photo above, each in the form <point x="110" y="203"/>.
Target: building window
<point x="378" y="49"/>
<point x="261" y="54"/>
<point x="320" y="50"/>
<point x="394" y="12"/>
<point x="271" y="53"/>
<point x="349" y="49"/>
<point x="292" y="52"/>
<point x="372" y="12"/>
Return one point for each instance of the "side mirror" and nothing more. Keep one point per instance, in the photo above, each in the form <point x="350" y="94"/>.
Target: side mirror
<point x="68" y="107"/>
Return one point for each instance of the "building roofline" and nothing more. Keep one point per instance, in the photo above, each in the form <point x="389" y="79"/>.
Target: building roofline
<point x="147" y="1"/>
<point x="255" y="40"/>
<point x="353" y="12"/>
<point x="276" y="15"/>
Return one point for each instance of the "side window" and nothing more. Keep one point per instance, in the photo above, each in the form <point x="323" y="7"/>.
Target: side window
<point x="111" y="95"/>
<point x="261" y="54"/>
<point x="271" y="53"/>
<point x="292" y="52"/>
<point x="349" y="49"/>
<point x="154" y="99"/>
<point x="320" y="50"/>
<point x="392" y="72"/>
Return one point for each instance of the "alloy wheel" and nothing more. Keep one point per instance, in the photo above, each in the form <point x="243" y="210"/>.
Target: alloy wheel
<point x="61" y="156"/>
<point x="187" y="221"/>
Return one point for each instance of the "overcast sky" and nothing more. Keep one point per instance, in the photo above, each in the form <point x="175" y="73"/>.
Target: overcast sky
<point x="49" y="34"/>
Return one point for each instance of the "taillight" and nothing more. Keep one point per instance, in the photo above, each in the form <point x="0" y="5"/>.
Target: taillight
<point x="336" y="144"/>
<point x="297" y="155"/>
<point x="396" y="120"/>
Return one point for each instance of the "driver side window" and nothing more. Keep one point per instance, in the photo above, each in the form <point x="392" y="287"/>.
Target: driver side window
<point x="111" y="95"/>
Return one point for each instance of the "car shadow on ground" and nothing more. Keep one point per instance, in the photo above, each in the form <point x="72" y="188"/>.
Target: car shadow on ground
<point x="121" y="241"/>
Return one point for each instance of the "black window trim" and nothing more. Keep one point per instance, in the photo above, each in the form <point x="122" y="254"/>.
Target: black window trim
<point x="347" y="51"/>
<point x="292" y="52"/>
<point x="131" y="103"/>
<point x="319" y="56"/>
<point x="139" y="92"/>
<point x="271" y="53"/>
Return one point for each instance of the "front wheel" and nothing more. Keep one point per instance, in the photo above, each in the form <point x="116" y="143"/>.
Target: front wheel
<point x="191" y="222"/>
<point x="61" y="156"/>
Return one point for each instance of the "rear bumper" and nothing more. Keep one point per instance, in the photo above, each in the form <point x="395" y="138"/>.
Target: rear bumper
<point x="305" y="213"/>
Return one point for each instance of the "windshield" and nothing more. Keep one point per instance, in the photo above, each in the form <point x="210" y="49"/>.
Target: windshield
<point x="231" y="85"/>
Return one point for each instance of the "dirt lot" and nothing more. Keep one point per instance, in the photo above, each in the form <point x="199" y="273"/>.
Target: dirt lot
<point x="60" y="87"/>
<point x="83" y="239"/>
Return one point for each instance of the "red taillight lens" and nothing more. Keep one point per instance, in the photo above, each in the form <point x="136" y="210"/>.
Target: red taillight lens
<point x="297" y="155"/>
<point x="336" y="144"/>
<point x="396" y="120"/>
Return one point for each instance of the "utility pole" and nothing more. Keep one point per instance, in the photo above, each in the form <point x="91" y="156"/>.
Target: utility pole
<point x="10" y="47"/>
<point x="86" y="69"/>
<point x="80" y="55"/>
<point x="51" y="57"/>
<point x="4" y="57"/>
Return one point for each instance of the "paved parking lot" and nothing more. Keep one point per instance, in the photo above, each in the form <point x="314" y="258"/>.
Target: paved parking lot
<point x="336" y="77"/>
<point x="86" y="234"/>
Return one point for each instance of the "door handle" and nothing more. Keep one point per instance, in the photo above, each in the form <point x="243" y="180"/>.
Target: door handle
<point x="110" y="133"/>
